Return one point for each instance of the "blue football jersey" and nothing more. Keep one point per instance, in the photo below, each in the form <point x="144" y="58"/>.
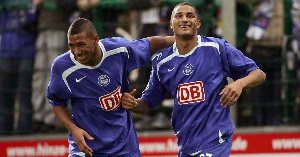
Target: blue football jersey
<point x="194" y="80"/>
<point x="95" y="93"/>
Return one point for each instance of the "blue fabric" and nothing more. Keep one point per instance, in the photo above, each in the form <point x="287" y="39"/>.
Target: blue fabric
<point x="18" y="34"/>
<point x="194" y="81"/>
<point x="220" y="150"/>
<point x="95" y="94"/>
<point x="17" y="52"/>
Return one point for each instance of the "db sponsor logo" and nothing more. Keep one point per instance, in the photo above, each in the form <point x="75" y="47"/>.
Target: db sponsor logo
<point x="112" y="100"/>
<point x="190" y="92"/>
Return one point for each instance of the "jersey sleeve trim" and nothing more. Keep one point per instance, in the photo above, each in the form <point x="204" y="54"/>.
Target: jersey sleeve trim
<point x="162" y="62"/>
<point x="66" y="73"/>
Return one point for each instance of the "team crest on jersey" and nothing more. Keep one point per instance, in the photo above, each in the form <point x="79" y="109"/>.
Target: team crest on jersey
<point x="103" y="80"/>
<point x="188" y="69"/>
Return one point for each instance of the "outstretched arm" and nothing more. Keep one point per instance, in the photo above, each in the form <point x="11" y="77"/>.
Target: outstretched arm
<point x="160" y="42"/>
<point x="233" y="91"/>
<point x="79" y="134"/>
<point x="138" y="106"/>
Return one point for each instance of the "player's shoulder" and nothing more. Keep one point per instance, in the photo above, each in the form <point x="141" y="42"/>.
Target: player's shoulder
<point x="163" y="54"/>
<point x="63" y="57"/>
<point x="218" y="42"/>
<point x="212" y="39"/>
<point x="63" y="61"/>
<point x="113" y="39"/>
<point x="114" y="42"/>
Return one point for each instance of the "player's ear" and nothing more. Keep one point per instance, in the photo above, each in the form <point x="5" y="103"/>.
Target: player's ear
<point x="171" y="24"/>
<point x="198" y="24"/>
<point x="96" y="39"/>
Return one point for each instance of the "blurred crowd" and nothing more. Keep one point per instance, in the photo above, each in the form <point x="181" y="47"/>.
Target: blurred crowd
<point x="34" y="33"/>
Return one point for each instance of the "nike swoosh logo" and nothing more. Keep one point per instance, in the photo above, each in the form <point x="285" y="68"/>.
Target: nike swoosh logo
<point x="171" y="69"/>
<point x="78" y="80"/>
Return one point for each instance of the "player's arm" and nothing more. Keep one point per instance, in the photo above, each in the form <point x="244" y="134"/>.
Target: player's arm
<point x="138" y="106"/>
<point x="79" y="134"/>
<point x="253" y="79"/>
<point x="233" y="91"/>
<point x="160" y="42"/>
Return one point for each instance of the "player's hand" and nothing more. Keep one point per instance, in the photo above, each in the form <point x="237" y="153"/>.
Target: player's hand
<point x="128" y="100"/>
<point x="79" y="135"/>
<point x="231" y="93"/>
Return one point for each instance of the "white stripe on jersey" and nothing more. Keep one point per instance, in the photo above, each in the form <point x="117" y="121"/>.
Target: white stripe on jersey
<point x="164" y="61"/>
<point x="221" y="140"/>
<point x="66" y="73"/>
<point x="213" y="44"/>
<point x="79" y="154"/>
<point x="77" y="66"/>
<point x="111" y="52"/>
<point x="176" y="53"/>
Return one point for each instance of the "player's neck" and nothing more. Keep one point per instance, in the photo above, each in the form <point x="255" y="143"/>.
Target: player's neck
<point x="185" y="46"/>
<point x="97" y="56"/>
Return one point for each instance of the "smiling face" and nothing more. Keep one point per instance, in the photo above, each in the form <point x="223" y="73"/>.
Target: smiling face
<point x="83" y="42"/>
<point x="184" y="21"/>
<point x="84" y="48"/>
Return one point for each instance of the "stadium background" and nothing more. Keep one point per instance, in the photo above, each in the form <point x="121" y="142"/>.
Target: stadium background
<point x="250" y="139"/>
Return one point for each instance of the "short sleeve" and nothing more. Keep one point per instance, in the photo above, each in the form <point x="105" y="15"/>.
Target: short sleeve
<point x="139" y="53"/>
<point x="57" y="92"/>
<point x="154" y="92"/>
<point x="235" y="64"/>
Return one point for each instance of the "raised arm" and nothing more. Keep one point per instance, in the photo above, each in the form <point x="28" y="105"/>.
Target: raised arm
<point x="160" y="42"/>
<point x="233" y="91"/>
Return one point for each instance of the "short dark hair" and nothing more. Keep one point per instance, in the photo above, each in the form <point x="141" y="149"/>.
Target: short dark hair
<point x="80" y="25"/>
<point x="185" y="3"/>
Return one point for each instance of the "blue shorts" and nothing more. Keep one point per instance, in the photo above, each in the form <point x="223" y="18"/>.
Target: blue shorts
<point x="219" y="150"/>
